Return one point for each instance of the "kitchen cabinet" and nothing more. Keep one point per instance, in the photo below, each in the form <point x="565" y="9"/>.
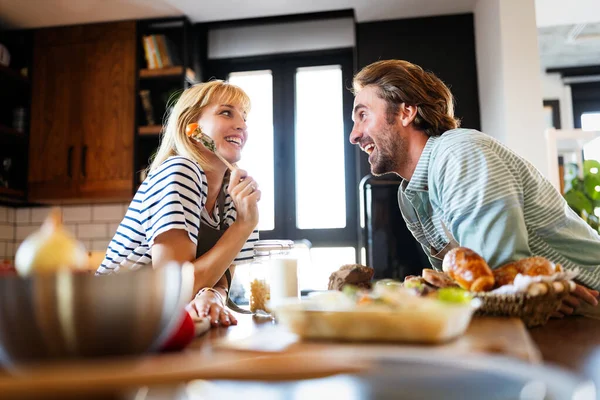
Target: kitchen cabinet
<point x="83" y="113"/>
<point x="15" y="95"/>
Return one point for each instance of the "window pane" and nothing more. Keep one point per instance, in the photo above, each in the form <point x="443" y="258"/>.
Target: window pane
<point x="257" y="157"/>
<point x="313" y="273"/>
<point x="590" y="121"/>
<point x="320" y="178"/>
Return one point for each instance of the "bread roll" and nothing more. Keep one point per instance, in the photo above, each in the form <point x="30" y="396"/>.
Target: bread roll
<point x="437" y="278"/>
<point x="505" y="275"/>
<point x="468" y="269"/>
<point x="534" y="266"/>
<point x="531" y="266"/>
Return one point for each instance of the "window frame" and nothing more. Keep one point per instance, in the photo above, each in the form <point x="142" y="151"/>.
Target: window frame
<point x="283" y="68"/>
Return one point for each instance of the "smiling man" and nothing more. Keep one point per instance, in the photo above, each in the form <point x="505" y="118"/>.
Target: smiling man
<point x="461" y="187"/>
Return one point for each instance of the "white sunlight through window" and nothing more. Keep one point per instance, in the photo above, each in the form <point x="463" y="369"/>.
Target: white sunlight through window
<point x="590" y="121"/>
<point x="320" y="177"/>
<point x="257" y="156"/>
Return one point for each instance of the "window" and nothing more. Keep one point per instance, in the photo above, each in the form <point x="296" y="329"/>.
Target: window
<point x="590" y="121"/>
<point x="298" y="151"/>
<point x="320" y="148"/>
<point x="258" y="152"/>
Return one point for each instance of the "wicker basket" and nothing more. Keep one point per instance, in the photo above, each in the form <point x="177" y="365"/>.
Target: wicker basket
<point x="533" y="310"/>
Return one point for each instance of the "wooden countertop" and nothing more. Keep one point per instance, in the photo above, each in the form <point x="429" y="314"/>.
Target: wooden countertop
<point x="572" y="343"/>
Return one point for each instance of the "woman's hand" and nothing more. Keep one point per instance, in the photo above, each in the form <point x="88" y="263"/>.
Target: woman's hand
<point x="245" y="194"/>
<point x="209" y="304"/>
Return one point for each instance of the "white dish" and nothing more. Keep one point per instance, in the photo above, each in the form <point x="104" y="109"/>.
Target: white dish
<point x="432" y="321"/>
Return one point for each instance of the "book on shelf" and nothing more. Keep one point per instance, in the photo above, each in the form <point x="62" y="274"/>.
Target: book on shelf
<point x="147" y="106"/>
<point x="159" y="52"/>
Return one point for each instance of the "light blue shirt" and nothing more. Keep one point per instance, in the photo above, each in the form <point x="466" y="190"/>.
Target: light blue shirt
<point x="469" y="188"/>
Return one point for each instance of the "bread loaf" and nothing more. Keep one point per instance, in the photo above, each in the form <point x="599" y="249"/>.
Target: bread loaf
<point x="468" y="269"/>
<point x="351" y="274"/>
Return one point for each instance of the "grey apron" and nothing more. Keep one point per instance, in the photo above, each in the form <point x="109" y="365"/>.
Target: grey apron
<point x="208" y="237"/>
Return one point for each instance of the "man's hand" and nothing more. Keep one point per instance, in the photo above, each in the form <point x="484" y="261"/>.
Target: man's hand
<point x="572" y="302"/>
<point x="210" y="305"/>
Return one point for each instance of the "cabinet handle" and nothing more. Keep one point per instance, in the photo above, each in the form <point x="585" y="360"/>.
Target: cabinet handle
<point x="70" y="161"/>
<point x="83" y="160"/>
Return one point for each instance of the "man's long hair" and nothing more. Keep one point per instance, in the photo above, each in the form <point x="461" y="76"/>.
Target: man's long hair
<point x="400" y="82"/>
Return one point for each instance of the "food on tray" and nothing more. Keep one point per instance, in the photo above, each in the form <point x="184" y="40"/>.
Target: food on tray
<point x="351" y="274"/>
<point x="468" y="269"/>
<point x="388" y="312"/>
<point x="49" y="249"/>
<point x="395" y="296"/>
<point x="260" y="294"/>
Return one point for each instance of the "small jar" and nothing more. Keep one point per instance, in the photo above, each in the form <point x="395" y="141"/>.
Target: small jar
<point x="270" y="278"/>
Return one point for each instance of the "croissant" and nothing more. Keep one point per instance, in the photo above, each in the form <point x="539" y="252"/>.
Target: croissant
<point x="468" y="269"/>
<point x="531" y="266"/>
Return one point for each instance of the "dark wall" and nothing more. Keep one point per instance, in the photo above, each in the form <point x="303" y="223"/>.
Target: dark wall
<point x="444" y="45"/>
<point x="586" y="98"/>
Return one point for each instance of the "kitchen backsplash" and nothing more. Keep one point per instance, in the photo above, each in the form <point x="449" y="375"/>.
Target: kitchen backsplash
<point x="93" y="225"/>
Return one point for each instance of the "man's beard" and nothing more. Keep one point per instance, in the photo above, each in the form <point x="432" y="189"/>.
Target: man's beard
<point x="391" y="149"/>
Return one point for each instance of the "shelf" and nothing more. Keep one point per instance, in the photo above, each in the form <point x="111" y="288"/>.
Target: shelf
<point x="11" y="192"/>
<point x="5" y="130"/>
<point x="166" y="72"/>
<point x="13" y="75"/>
<point x="150" y="130"/>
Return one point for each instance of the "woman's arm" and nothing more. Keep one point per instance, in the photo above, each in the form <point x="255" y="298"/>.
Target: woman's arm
<point x="176" y="245"/>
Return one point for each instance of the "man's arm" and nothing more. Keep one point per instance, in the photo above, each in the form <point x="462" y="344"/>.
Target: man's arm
<point x="483" y="208"/>
<point x="482" y="203"/>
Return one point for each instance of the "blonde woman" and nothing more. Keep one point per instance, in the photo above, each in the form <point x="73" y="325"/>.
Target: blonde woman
<point x="190" y="208"/>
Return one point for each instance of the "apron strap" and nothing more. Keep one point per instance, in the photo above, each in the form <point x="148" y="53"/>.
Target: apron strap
<point x="222" y="226"/>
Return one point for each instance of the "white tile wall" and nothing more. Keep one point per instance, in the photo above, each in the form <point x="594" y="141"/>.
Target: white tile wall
<point x="91" y="231"/>
<point x="99" y="245"/>
<point x="23" y="215"/>
<point x="107" y="213"/>
<point x="77" y="214"/>
<point x="11" y="215"/>
<point x="22" y="231"/>
<point x="7" y="232"/>
<point x="93" y="225"/>
<point x="10" y="250"/>
<point x="38" y="215"/>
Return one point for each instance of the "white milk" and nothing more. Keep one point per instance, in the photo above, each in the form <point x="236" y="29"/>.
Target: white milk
<point x="284" y="279"/>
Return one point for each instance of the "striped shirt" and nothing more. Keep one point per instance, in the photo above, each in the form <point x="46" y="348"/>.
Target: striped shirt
<point x="171" y="197"/>
<point x="470" y="188"/>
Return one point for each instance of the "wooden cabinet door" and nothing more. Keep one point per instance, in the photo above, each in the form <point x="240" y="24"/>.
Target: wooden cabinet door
<point x="53" y="149"/>
<point x="107" y="119"/>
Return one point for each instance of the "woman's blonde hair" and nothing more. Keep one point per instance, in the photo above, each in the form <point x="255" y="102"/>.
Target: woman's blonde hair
<point x="187" y="110"/>
<point x="399" y="82"/>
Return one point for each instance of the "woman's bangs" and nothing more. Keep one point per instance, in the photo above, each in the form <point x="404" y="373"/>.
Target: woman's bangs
<point x="235" y="96"/>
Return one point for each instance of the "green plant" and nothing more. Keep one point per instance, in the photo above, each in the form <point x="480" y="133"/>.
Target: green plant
<point x="583" y="194"/>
